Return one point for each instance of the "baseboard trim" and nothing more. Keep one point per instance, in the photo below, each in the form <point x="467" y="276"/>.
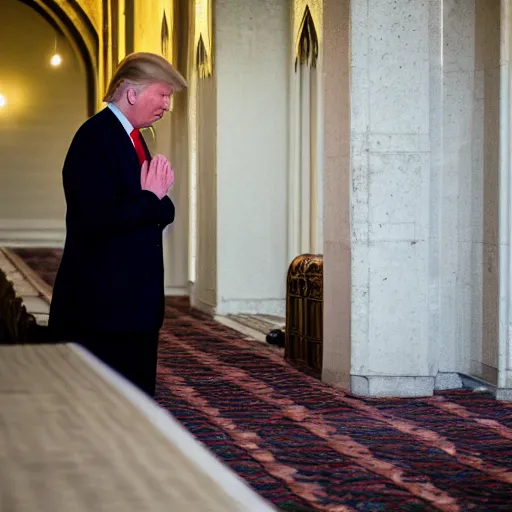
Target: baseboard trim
<point x="32" y="233"/>
<point x="274" y="307"/>
<point x="477" y="384"/>
<point x="209" y="309"/>
<point x="448" y="380"/>
<point x="392" y="386"/>
<point x="176" y="291"/>
<point x="402" y="387"/>
<point x="504" y="394"/>
<point x="47" y="243"/>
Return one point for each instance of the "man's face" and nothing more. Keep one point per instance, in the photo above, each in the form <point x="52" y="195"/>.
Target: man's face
<point x="151" y="103"/>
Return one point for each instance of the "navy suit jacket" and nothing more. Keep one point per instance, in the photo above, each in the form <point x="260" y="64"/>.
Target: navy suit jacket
<point x="111" y="277"/>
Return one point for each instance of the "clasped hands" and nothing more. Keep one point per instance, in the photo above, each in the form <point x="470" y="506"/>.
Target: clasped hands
<point x="157" y="176"/>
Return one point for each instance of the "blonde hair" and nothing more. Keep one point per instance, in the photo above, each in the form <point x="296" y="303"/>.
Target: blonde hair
<point x="141" y="68"/>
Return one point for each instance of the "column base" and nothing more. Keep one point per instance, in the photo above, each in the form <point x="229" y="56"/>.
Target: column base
<point x="410" y="387"/>
<point x="504" y="394"/>
<point x="448" y="380"/>
<point x="392" y="386"/>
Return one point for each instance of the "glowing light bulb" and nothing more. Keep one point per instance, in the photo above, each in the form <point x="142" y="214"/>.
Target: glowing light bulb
<point x="56" y="60"/>
<point x="3" y="101"/>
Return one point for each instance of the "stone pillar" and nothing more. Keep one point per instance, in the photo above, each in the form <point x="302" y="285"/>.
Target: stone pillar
<point x="430" y="188"/>
<point x="394" y="47"/>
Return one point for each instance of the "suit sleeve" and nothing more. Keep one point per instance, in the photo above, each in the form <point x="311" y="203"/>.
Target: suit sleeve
<point x="168" y="212"/>
<point x="94" y="198"/>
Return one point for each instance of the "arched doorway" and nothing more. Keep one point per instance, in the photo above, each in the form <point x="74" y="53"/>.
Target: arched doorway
<point x="44" y="104"/>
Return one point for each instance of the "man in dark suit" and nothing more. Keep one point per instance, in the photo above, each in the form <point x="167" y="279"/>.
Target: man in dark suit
<point x="109" y="291"/>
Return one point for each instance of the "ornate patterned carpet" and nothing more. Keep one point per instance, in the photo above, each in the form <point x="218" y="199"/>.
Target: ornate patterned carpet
<point x="305" y="446"/>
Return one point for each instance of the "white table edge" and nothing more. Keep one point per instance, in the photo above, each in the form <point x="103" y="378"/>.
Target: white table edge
<point x="193" y="449"/>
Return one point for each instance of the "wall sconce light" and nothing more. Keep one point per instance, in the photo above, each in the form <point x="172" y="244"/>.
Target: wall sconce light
<point x="56" y="59"/>
<point x="3" y="101"/>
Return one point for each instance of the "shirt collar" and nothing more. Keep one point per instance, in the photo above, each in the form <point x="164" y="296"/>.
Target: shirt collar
<point x="122" y="118"/>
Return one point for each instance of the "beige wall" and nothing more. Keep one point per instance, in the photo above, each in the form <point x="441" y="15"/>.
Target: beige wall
<point x="45" y="107"/>
<point x="148" y="20"/>
<point x="251" y="66"/>
<point x="205" y="287"/>
<point x="176" y="236"/>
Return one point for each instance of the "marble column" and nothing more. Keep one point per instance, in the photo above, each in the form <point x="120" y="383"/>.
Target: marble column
<point x="395" y="59"/>
<point x="426" y="297"/>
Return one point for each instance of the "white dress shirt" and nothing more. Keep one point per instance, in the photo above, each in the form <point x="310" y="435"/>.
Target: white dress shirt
<point x="122" y="119"/>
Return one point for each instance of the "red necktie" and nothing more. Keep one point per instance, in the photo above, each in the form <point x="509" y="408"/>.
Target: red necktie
<point x="137" y="142"/>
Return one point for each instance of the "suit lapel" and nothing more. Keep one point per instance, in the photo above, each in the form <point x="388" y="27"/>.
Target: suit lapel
<point x="127" y="141"/>
<point x="122" y="144"/>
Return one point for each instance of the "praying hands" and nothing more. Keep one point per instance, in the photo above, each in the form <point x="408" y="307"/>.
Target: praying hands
<point x="157" y="176"/>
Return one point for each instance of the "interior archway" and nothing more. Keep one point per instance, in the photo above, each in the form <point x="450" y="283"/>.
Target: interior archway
<point x="72" y="22"/>
<point x="44" y="104"/>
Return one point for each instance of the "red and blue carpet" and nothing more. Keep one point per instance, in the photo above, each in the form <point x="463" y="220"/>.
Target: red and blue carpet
<point x="305" y="446"/>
